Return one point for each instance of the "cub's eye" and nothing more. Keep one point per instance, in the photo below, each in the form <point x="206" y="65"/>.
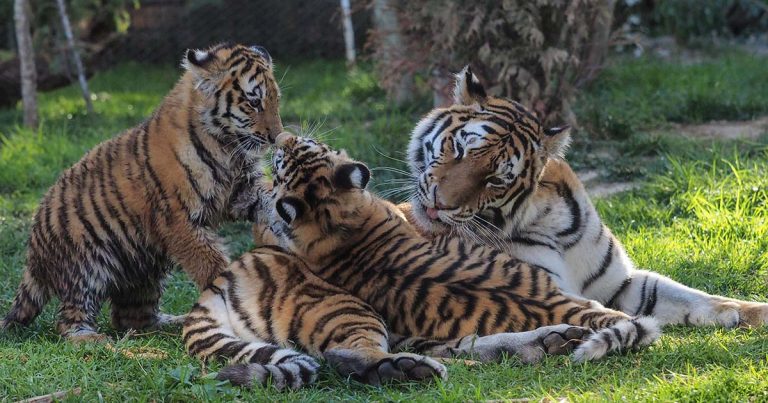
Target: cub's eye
<point x="494" y="181"/>
<point x="256" y="104"/>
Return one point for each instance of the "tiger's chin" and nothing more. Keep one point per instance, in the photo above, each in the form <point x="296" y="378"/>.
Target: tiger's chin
<point x="417" y="215"/>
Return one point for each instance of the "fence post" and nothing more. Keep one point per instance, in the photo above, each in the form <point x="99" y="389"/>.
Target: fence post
<point x="349" y="33"/>
<point x="22" y="16"/>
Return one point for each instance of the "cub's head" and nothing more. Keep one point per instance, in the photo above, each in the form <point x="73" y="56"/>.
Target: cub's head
<point x="240" y="96"/>
<point x="478" y="158"/>
<point x="319" y="195"/>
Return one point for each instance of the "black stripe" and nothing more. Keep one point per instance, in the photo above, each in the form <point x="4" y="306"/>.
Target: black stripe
<point x="607" y="259"/>
<point x="622" y="287"/>
<point x="651" y="300"/>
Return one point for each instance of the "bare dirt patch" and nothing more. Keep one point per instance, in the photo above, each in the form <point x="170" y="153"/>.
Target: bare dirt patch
<point x="728" y="130"/>
<point x="598" y="187"/>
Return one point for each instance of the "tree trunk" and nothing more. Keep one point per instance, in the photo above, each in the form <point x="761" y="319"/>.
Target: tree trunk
<point x="601" y="41"/>
<point x="21" y="17"/>
<point x="387" y="24"/>
<point x="349" y="33"/>
<point x="75" y="55"/>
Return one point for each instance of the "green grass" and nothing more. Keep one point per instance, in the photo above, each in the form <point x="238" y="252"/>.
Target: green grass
<point x="639" y="94"/>
<point x="700" y="217"/>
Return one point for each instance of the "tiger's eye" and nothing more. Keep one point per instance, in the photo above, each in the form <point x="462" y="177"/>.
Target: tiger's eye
<point x="255" y="104"/>
<point x="494" y="181"/>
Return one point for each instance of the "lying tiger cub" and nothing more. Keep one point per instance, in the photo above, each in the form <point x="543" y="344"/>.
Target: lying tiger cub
<point x="444" y="297"/>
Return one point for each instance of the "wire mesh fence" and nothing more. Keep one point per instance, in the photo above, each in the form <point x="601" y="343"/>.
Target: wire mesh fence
<point x="108" y="32"/>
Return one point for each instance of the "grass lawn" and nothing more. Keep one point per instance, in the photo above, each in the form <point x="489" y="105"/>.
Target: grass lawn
<point x="701" y="216"/>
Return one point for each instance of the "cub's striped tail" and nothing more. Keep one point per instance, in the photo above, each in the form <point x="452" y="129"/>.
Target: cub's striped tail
<point x="624" y="335"/>
<point x="29" y="301"/>
<point x="207" y="333"/>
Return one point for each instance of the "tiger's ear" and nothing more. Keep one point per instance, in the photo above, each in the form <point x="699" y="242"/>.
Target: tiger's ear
<point x="468" y="88"/>
<point x="200" y="61"/>
<point x="205" y="66"/>
<point x="290" y="208"/>
<point x="262" y="51"/>
<point x="556" y="140"/>
<point x="354" y="175"/>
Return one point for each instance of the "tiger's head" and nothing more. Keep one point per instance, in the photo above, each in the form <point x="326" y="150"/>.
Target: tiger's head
<point x="319" y="197"/>
<point x="239" y="94"/>
<point x="479" y="157"/>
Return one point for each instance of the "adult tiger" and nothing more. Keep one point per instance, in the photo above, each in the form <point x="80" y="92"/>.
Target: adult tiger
<point x="486" y="169"/>
<point x="443" y="298"/>
<point x="113" y="224"/>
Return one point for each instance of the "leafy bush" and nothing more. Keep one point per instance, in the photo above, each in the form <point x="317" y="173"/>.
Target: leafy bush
<point x="688" y="20"/>
<point x="536" y="52"/>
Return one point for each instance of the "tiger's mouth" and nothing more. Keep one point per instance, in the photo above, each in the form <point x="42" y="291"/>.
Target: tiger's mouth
<point x="433" y="214"/>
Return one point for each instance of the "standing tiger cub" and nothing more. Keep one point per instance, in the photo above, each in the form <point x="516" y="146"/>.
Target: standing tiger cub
<point x="113" y="225"/>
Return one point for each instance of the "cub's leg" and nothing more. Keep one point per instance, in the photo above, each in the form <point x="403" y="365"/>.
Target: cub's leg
<point x="77" y="313"/>
<point x="649" y="293"/>
<point x="530" y="346"/>
<point x="197" y="250"/>
<point x="208" y="332"/>
<point x="138" y="307"/>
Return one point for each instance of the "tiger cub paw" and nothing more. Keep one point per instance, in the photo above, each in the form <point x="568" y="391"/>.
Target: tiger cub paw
<point x="164" y="320"/>
<point x="399" y="367"/>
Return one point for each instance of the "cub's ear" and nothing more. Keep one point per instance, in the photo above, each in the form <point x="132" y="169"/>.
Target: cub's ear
<point x="353" y="175"/>
<point x="198" y="60"/>
<point x="290" y="208"/>
<point x="556" y="140"/>
<point x="468" y="88"/>
<point x="262" y="51"/>
<point x="205" y="66"/>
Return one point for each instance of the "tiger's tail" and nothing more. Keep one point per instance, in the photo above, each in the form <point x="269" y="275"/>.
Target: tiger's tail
<point x="624" y="335"/>
<point x="31" y="297"/>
